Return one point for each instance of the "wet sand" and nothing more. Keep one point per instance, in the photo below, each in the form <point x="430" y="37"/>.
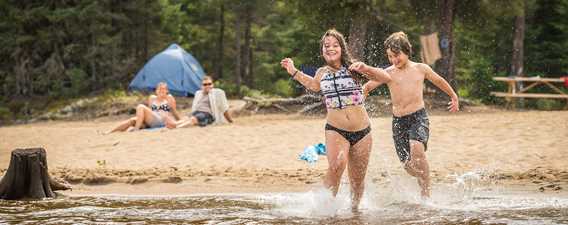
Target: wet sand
<point x="259" y="153"/>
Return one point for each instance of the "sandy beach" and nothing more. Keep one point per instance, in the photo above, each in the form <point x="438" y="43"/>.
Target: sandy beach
<point x="259" y="153"/>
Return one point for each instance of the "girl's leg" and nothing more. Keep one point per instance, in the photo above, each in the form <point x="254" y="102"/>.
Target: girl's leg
<point x="337" y="153"/>
<point x="170" y="122"/>
<point x="124" y="125"/>
<point x="358" y="161"/>
<point x="144" y="115"/>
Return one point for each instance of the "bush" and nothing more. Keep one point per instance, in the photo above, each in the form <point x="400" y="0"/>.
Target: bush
<point x="77" y="79"/>
<point x="283" y="88"/>
<point x="5" y="114"/>
<point x="477" y="81"/>
<point x="549" y="104"/>
<point x="229" y="87"/>
<point x="231" y="90"/>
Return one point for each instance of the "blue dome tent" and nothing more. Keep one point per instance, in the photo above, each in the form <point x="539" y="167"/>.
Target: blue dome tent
<point x="174" y="66"/>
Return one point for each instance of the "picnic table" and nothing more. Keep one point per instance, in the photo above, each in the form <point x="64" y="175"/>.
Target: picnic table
<point x="515" y="92"/>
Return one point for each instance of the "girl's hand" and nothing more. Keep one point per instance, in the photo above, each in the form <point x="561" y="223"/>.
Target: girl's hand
<point x="359" y="67"/>
<point x="288" y="64"/>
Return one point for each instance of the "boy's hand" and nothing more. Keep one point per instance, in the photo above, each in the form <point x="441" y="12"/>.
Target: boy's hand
<point x="358" y="67"/>
<point x="288" y="64"/>
<point x="454" y="105"/>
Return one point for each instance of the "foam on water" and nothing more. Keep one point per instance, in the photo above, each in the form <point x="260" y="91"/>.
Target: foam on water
<point x="394" y="201"/>
<point x="398" y="199"/>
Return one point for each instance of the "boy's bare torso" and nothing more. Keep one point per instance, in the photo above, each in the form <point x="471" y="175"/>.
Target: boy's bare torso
<point x="406" y="88"/>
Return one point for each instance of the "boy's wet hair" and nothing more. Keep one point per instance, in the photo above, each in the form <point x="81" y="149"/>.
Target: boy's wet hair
<point x="398" y="42"/>
<point x="346" y="58"/>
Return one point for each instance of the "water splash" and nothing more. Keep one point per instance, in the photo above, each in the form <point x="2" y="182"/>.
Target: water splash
<point x="316" y="203"/>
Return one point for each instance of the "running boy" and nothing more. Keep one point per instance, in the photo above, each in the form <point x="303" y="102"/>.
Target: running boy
<point x="410" y="125"/>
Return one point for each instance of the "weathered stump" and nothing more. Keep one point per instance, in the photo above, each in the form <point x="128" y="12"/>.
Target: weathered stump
<point x="27" y="176"/>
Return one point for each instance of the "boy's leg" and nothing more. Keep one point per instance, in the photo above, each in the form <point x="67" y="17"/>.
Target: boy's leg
<point x="418" y="167"/>
<point x="410" y="134"/>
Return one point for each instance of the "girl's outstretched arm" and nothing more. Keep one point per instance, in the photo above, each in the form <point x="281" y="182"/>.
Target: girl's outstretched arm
<point x="313" y="84"/>
<point x="373" y="73"/>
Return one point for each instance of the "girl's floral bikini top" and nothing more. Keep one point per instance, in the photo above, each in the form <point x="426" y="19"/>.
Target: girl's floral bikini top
<point x="340" y="90"/>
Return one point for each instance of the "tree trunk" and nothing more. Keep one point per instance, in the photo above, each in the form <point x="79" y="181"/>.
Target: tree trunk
<point x="219" y="61"/>
<point x="426" y="12"/>
<point x="145" y="18"/>
<point x="446" y="65"/>
<point x="93" y="64"/>
<point x="358" y="34"/>
<point x="246" y="48"/>
<point x="27" y="176"/>
<point x="517" y="65"/>
<point x="250" y="67"/>
<point x="518" y="46"/>
<point x="238" y="56"/>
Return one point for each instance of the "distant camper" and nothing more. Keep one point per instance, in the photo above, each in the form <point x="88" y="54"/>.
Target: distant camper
<point x="209" y="106"/>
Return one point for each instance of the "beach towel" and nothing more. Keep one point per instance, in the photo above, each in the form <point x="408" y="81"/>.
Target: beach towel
<point x="430" y="51"/>
<point x="218" y="101"/>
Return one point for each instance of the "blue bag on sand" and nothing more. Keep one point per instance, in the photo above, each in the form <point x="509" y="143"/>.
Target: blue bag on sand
<point x="320" y="149"/>
<point x="310" y="153"/>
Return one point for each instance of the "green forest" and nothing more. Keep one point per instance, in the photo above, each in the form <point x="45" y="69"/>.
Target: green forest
<point x="53" y="50"/>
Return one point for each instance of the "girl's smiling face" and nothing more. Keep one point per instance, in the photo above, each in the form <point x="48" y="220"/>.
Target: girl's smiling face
<point x="331" y="50"/>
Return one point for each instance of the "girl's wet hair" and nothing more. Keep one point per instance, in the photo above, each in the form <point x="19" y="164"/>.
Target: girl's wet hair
<point x="346" y="58"/>
<point x="398" y="42"/>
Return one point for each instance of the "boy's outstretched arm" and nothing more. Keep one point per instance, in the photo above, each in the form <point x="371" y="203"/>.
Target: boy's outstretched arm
<point x="442" y="84"/>
<point x="370" y="86"/>
<point x="373" y="73"/>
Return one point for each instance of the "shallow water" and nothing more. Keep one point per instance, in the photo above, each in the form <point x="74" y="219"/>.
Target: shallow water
<point x="387" y="204"/>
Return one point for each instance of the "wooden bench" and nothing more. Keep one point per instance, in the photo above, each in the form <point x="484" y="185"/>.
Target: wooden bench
<point x="535" y="81"/>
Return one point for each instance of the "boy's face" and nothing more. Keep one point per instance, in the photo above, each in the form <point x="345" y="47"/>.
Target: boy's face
<point x="397" y="59"/>
<point x="331" y="49"/>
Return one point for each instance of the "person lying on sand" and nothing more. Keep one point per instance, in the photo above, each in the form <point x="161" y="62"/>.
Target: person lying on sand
<point x="160" y="112"/>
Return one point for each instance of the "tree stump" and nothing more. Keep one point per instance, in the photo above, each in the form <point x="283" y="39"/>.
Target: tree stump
<point x="27" y="176"/>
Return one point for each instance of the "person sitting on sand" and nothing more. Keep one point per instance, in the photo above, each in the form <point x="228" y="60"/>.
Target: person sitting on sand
<point x="160" y="112"/>
<point x="209" y="106"/>
<point x="347" y="138"/>
<point x="410" y="124"/>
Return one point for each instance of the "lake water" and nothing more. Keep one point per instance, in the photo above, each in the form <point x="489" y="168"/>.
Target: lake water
<point x="388" y="203"/>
